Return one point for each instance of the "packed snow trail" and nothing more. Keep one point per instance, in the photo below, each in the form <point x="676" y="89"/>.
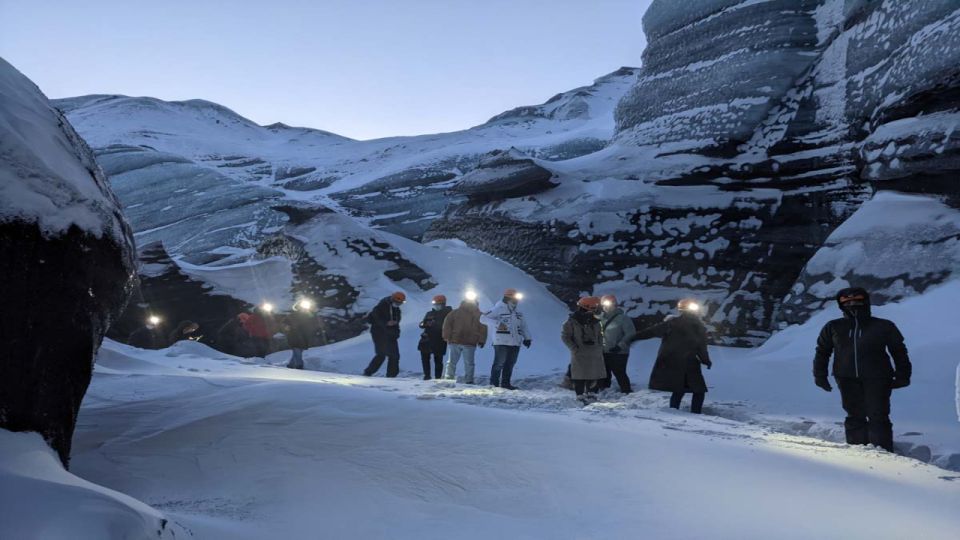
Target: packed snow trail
<point x="231" y="449"/>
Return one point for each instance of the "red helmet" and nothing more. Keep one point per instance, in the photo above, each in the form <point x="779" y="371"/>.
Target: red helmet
<point x="399" y="296"/>
<point x="440" y="299"/>
<point x="589" y="302"/>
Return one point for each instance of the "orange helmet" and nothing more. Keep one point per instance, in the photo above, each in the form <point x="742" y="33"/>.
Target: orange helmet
<point x="690" y="305"/>
<point x="609" y="299"/>
<point x="589" y="302"/>
<point x="440" y="299"/>
<point x="399" y="296"/>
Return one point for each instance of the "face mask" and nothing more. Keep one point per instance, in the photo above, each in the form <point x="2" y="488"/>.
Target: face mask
<point x="437" y="307"/>
<point x="396" y="305"/>
<point x="856" y="311"/>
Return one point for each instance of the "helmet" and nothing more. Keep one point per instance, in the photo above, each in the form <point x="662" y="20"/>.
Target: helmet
<point x="440" y="299"/>
<point x="510" y="293"/>
<point x="399" y="297"/>
<point x="608" y="300"/>
<point x="689" y="305"/>
<point x="589" y="302"/>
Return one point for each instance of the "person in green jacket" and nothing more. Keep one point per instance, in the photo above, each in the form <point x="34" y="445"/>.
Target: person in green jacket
<point x="618" y="332"/>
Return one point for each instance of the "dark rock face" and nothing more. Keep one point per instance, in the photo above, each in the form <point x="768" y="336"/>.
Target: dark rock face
<point x="66" y="257"/>
<point x="502" y="175"/>
<point x="754" y="130"/>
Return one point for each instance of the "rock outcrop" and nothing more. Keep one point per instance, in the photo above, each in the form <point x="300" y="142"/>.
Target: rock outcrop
<point x="66" y="257"/>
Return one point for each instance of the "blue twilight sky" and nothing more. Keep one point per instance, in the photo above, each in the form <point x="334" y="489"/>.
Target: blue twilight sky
<point x="361" y="68"/>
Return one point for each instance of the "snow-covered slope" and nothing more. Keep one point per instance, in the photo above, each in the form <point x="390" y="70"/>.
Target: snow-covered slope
<point x="42" y="500"/>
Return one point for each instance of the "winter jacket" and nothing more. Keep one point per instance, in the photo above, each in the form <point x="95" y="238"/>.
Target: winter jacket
<point x="859" y="347"/>
<point x="301" y="329"/>
<point x="432" y="337"/>
<point x="255" y="325"/>
<point x="583" y="335"/>
<point x="463" y="326"/>
<point x="618" y="331"/>
<point x="683" y="349"/>
<point x="378" y="318"/>
<point x="509" y="325"/>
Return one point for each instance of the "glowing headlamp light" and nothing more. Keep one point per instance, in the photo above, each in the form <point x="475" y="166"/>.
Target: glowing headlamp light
<point x="519" y="296"/>
<point x="267" y="306"/>
<point x="153" y="319"/>
<point x="470" y="295"/>
<point x="693" y="306"/>
<point x="305" y="303"/>
<point x="607" y="303"/>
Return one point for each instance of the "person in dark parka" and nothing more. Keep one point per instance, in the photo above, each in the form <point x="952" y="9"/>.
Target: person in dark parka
<point x="301" y="327"/>
<point x="859" y="343"/>
<point x="384" y="322"/>
<point x="148" y="336"/>
<point x="431" y="340"/>
<point x="185" y="331"/>
<point x="682" y="351"/>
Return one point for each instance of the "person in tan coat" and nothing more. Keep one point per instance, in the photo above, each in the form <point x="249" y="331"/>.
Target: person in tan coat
<point x="463" y="332"/>
<point x="583" y="335"/>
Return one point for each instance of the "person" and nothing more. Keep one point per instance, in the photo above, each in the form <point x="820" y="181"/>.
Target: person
<point x="859" y="344"/>
<point x="583" y="335"/>
<point x="148" y="336"/>
<point x="431" y="340"/>
<point x="618" y="332"/>
<point x="682" y="351"/>
<point x="186" y="330"/>
<point x="257" y="329"/>
<point x="511" y="331"/>
<point x="464" y="332"/>
<point x="301" y="329"/>
<point x="384" y="322"/>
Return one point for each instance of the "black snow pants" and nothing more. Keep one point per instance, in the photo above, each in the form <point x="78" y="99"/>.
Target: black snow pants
<point x="437" y="363"/>
<point x="867" y="402"/>
<point x="696" y="405"/>
<point x="617" y="367"/>
<point x="385" y="348"/>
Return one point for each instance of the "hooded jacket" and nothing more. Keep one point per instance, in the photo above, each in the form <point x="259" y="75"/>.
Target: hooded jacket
<point x="583" y="335"/>
<point x="859" y="344"/>
<point x="463" y="327"/>
<point x="618" y="331"/>
<point x="509" y="326"/>
<point x="378" y="318"/>
<point x="432" y="337"/>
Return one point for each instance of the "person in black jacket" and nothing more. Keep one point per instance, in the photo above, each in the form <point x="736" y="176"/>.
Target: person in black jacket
<point x="431" y="340"/>
<point x="150" y="335"/>
<point x="385" y="330"/>
<point x="861" y="366"/>
<point x="682" y="351"/>
<point x="301" y="327"/>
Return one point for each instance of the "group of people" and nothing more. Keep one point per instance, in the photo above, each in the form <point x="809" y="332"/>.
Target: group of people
<point x="459" y="331"/>
<point x="598" y="335"/>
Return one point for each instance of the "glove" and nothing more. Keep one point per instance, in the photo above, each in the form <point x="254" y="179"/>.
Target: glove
<point x="527" y="343"/>
<point x="899" y="382"/>
<point x="480" y="345"/>
<point x="708" y="363"/>
<point x="615" y="349"/>
<point x="822" y="382"/>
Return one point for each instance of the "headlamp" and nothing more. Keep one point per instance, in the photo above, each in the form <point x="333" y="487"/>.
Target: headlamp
<point x="153" y="319"/>
<point x="305" y="303"/>
<point x="267" y="306"/>
<point x="470" y="295"/>
<point x="519" y="296"/>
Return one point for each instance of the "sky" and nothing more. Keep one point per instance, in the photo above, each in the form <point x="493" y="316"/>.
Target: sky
<point x="360" y="68"/>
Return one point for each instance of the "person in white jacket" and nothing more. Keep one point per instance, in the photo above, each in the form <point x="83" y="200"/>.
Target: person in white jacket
<point x="510" y="331"/>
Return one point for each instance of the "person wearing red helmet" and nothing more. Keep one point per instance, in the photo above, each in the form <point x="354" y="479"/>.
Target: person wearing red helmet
<point x="682" y="351"/>
<point x="582" y="334"/>
<point x="510" y="331"/>
<point x="859" y="344"/>
<point x="618" y="332"/>
<point x="431" y="340"/>
<point x="384" y="322"/>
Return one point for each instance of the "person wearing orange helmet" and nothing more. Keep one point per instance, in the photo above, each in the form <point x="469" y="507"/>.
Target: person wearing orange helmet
<point x="431" y="340"/>
<point x="618" y="332"/>
<point x="510" y="331"/>
<point x="583" y="335"/>
<point x="384" y="322"/>
<point x="682" y="351"/>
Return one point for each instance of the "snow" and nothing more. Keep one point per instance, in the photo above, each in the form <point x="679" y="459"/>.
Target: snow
<point x="48" y="175"/>
<point x="39" y="499"/>
<point x="243" y="448"/>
